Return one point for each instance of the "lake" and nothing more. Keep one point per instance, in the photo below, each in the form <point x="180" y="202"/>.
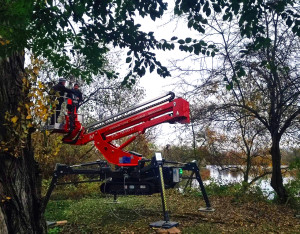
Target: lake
<point x="224" y="177"/>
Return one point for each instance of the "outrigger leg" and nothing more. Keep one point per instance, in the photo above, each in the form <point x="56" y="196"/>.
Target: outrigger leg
<point x="166" y="223"/>
<point x="62" y="170"/>
<point x="192" y="166"/>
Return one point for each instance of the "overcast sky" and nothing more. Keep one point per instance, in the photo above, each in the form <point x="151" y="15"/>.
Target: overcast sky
<point x="164" y="28"/>
<point x="155" y="85"/>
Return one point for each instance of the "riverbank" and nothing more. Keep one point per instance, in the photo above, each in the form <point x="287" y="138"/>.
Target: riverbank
<point x="233" y="214"/>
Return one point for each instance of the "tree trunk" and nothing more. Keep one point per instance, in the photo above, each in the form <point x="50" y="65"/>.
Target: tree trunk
<point x="248" y="166"/>
<point x="20" y="195"/>
<point x="276" y="180"/>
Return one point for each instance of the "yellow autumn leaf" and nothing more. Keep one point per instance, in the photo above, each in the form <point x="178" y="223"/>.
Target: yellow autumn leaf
<point x="8" y="198"/>
<point x="4" y="42"/>
<point x="36" y="70"/>
<point x="39" y="92"/>
<point x="28" y="117"/>
<point x="29" y="125"/>
<point x="14" y="119"/>
<point x="40" y="85"/>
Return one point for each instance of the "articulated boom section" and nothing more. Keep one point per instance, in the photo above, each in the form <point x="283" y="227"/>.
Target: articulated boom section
<point x="173" y="111"/>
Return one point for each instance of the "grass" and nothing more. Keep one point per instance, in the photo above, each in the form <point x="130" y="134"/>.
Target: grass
<point x="101" y="216"/>
<point x="234" y="214"/>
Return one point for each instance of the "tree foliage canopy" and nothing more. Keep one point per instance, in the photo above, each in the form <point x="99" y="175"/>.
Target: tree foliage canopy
<point x="250" y="13"/>
<point x="60" y="30"/>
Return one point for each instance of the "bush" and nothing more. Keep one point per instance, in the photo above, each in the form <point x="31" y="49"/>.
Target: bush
<point x="293" y="187"/>
<point x="239" y="192"/>
<point x="74" y="190"/>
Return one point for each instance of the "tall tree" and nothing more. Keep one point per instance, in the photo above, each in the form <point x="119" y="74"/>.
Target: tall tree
<point x="57" y="31"/>
<point x="262" y="49"/>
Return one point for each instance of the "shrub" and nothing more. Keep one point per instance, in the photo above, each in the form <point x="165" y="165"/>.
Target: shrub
<point x="74" y="190"/>
<point x="293" y="187"/>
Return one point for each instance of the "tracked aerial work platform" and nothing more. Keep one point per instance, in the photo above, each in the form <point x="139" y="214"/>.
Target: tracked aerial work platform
<point x="132" y="173"/>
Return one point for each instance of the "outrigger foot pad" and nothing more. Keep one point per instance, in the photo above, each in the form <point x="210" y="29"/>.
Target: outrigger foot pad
<point x="164" y="224"/>
<point x="206" y="209"/>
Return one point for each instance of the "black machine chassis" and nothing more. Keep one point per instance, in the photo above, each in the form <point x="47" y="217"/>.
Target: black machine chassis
<point x="140" y="180"/>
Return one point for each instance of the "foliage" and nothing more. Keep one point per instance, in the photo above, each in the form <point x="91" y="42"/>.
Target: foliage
<point x="49" y="150"/>
<point x="290" y="155"/>
<point x="15" y="17"/>
<point x="293" y="186"/>
<point x="32" y="110"/>
<point x="250" y="14"/>
<point x="238" y="192"/>
<point x="75" y="190"/>
<point x="142" y="145"/>
<point x="54" y="230"/>
<point x="295" y="165"/>
<point x="49" y="27"/>
<point x="184" y="153"/>
<point x="216" y="189"/>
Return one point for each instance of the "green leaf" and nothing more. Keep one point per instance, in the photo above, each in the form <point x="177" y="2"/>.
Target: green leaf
<point x="227" y="16"/>
<point x="289" y="22"/>
<point x="188" y="40"/>
<point x="152" y="67"/>
<point x="174" y="38"/>
<point x="128" y="59"/>
<point x="181" y="41"/>
<point x="241" y="72"/>
<point x="203" y="43"/>
<point x="206" y="5"/>
<point x="190" y="23"/>
<point x="263" y="63"/>
<point x="217" y="7"/>
<point x="208" y="12"/>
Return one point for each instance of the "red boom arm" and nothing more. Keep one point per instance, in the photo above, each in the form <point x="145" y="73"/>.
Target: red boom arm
<point x="176" y="110"/>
